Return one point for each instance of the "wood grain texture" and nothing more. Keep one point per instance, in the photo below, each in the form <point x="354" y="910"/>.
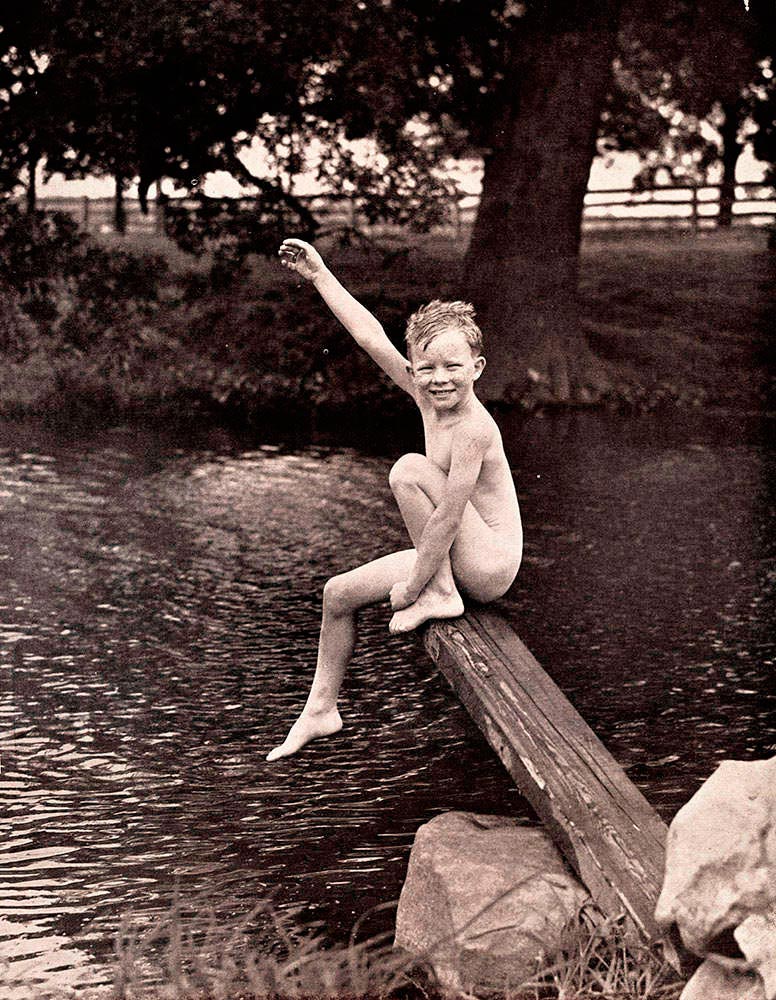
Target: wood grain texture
<point x="604" y="826"/>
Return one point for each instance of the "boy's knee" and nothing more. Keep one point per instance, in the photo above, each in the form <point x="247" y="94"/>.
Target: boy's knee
<point x="335" y="598"/>
<point x="407" y="470"/>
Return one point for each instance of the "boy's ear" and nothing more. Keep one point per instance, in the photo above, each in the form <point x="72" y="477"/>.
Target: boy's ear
<point x="479" y="364"/>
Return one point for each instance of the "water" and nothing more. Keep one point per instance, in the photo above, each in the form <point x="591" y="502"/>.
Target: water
<point x="157" y="631"/>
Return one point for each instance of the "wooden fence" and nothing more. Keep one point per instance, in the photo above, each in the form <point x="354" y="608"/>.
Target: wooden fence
<point x="676" y="206"/>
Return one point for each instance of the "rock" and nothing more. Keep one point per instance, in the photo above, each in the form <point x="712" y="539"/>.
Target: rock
<point x="485" y="899"/>
<point x="712" y="981"/>
<point x="720" y="880"/>
<point x="756" y="937"/>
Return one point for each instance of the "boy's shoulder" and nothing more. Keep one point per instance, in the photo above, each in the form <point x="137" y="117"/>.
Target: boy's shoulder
<point x="478" y="425"/>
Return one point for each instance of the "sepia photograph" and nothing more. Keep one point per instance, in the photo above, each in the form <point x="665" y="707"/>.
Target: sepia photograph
<point x="388" y="499"/>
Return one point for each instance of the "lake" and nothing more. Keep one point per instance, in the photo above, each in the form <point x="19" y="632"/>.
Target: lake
<point x="157" y="637"/>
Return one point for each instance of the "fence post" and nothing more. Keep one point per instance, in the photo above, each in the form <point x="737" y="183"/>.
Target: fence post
<point x="85" y="212"/>
<point x="694" y="204"/>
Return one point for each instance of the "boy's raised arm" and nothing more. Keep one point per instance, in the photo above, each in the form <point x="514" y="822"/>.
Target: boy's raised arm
<point x="363" y="327"/>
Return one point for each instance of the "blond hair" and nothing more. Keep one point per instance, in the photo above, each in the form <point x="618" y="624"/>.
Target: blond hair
<point x="438" y="317"/>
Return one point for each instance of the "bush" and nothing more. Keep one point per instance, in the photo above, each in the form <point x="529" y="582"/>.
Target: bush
<point x="120" y="335"/>
<point x="231" y="232"/>
<point x="70" y="287"/>
<point x="18" y="332"/>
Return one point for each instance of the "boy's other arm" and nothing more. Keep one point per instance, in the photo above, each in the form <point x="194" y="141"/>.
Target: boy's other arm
<point x="363" y="327"/>
<point x="467" y="454"/>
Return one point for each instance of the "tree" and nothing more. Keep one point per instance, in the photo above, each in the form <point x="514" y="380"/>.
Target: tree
<point x="695" y="112"/>
<point x="525" y="84"/>
<point x="33" y="117"/>
<point x="153" y="89"/>
<point x="522" y="261"/>
<point x="763" y="106"/>
<point x="176" y="90"/>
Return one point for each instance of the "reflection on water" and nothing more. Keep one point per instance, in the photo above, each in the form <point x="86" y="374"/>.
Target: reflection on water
<point x="158" y="626"/>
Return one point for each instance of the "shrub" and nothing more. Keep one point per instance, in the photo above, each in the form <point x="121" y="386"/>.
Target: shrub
<point x="231" y="231"/>
<point x="66" y="284"/>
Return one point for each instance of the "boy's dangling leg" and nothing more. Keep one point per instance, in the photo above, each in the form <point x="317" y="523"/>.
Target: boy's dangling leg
<point x="342" y="597"/>
<point x="440" y="597"/>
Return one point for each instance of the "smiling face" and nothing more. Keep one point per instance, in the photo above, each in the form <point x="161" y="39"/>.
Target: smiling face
<point x="445" y="369"/>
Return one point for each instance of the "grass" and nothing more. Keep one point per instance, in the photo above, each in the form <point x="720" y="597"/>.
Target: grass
<point x="205" y="952"/>
<point x="686" y="311"/>
<point x="687" y="315"/>
<point x="263" y="954"/>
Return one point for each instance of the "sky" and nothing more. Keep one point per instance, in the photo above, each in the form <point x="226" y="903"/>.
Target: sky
<point x="616" y="171"/>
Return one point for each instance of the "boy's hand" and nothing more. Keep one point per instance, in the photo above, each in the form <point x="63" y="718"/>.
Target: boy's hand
<point x="301" y="257"/>
<point x="401" y="597"/>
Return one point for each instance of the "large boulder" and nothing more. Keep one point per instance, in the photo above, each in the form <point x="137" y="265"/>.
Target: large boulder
<point x="720" y="879"/>
<point x="485" y="899"/>
<point x="712" y="981"/>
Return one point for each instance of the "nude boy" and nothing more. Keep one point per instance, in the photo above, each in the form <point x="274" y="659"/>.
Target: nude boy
<point x="458" y="500"/>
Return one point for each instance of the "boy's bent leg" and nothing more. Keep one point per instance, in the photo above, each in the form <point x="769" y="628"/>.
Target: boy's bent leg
<point x="440" y="597"/>
<point x="482" y="563"/>
<point x="342" y="597"/>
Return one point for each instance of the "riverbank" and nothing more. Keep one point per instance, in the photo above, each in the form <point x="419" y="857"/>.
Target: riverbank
<point x="225" y="958"/>
<point x="686" y="315"/>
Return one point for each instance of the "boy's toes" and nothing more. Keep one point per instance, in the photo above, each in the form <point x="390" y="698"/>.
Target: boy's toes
<point x="401" y="623"/>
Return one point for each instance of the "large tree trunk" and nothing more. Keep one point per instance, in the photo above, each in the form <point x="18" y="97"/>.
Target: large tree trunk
<point x="731" y="150"/>
<point x="522" y="262"/>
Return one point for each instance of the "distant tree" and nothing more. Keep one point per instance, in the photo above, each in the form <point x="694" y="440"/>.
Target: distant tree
<point x="164" y="88"/>
<point x="694" y="112"/>
<point x="763" y="108"/>
<point x="153" y="89"/>
<point x="764" y="115"/>
<point x="33" y="117"/>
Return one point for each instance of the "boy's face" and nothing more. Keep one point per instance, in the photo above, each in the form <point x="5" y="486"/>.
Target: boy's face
<point x="445" y="370"/>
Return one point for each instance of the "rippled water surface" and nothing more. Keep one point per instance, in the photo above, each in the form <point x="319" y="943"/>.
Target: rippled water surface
<point x="157" y="631"/>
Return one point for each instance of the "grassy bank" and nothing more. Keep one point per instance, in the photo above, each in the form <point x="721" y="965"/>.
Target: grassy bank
<point x="207" y="952"/>
<point x="685" y="314"/>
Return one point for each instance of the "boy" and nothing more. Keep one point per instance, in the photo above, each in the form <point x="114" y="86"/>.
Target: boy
<point x="458" y="500"/>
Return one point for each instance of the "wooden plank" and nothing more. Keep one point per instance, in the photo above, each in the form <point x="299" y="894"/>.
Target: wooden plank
<point x="602" y="823"/>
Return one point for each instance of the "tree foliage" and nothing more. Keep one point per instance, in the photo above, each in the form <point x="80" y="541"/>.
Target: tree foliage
<point x="158" y="89"/>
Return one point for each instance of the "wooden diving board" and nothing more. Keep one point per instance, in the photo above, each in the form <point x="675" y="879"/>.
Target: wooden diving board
<point x="601" y="822"/>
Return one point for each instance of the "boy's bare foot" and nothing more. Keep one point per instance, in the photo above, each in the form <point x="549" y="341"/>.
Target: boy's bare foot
<point x="430" y="604"/>
<point x="309" y="726"/>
